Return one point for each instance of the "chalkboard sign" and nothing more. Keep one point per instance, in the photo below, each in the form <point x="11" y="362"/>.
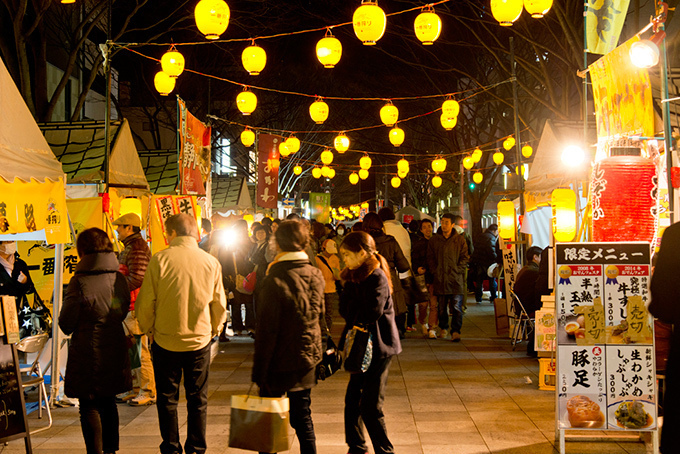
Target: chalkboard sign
<point x="13" y="423"/>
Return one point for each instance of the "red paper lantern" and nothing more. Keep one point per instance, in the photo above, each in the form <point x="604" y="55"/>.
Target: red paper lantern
<point x="624" y="192"/>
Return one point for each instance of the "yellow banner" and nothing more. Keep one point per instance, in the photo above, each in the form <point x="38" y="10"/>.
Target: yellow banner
<point x="623" y="95"/>
<point x="604" y="21"/>
<point x="85" y="213"/>
<point x="33" y="206"/>
<point x="164" y="206"/>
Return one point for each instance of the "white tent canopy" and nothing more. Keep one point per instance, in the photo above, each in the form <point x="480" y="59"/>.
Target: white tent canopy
<point x="412" y="211"/>
<point x="24" y="152"/>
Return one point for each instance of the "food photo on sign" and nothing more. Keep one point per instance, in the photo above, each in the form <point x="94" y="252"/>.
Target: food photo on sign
<point x="582" y="398"/>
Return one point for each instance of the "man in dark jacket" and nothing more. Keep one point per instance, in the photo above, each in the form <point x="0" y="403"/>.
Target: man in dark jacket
<point x="288" y="342"/>
<point x="484" y="255"/>
<point x="525" y="289"/>
<point x="447" y="257"/>
<point x="133" y="261"/>
<point x="419" y="261"/>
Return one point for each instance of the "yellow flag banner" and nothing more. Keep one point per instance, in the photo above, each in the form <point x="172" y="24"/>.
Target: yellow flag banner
<point x="32" y="206"/>
<point x="623" y="95"/>
<point x="164" y="206"/>
<point x="84" y="213"/>
<point x="604" y="21"/>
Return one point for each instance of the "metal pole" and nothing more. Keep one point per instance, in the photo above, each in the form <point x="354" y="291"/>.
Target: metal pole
<point x="107" y="119"/>
<point x="666" y="111"/>
<point x="515" y="102"/>
<point x="56" y="307"/>
<point x="462" y="191"/>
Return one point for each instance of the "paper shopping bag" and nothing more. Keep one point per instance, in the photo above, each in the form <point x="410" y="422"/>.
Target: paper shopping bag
<point x="259" y="423"/>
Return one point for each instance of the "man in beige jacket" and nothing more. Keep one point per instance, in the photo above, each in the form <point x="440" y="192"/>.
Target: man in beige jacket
<point x="182" y="306"/>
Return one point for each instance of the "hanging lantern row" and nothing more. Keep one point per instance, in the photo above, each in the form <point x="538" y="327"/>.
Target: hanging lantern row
<point x="506" y="12"/>
<point x="436" y="181"/>
<point x="439" y="165"/>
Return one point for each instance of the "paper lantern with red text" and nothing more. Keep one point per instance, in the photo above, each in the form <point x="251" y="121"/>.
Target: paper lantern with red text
<point x="624" y="193"/>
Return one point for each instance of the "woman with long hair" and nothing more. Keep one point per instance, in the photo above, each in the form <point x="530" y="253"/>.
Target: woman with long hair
<point x="367" y="300"/>
<point x="288" y="342"/>
<point x="389" y="248"/>
<point x="95" y="304"/>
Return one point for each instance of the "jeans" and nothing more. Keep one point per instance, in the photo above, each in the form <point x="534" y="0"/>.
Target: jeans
<point x="168" y="367"/>
<point x="364" y="406"/>
<point x="99" y="422"/>
<point x="455" y="302"/>
<point x="235" y="304"/>
<point x="300" y="418"/>
<point x="480" y="277"/>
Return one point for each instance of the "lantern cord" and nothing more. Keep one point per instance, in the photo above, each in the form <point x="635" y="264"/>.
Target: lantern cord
<point x="278" y="35"/>
<point x="334" y="98"/>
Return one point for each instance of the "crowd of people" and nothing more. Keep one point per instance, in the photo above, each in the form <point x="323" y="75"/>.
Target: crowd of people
<point x="141" y="325"/>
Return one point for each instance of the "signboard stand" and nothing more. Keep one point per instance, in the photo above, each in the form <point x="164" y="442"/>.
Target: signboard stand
<point x="606" y="372"/>
<point x="13" y="423"/>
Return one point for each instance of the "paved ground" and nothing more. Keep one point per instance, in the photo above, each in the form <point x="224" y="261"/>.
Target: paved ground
<point x="442" y="398"/>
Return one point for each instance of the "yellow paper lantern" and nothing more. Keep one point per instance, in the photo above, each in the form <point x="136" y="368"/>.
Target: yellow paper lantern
<point x="246" y="102"/>
<point x="212" y="17"/>
<point x="247" y="137"/>
<point x="131" y="205"/>
<point x="293" y="144"/>
<point x="468" y="162"/>
<point x="283" y="149"/>
<point x="363" y="174"/>
<point x="365" y="162"/>
<point x="389" y="114"/>
<point x="436" y="181"/>
<point x="477" y="177"/>
<point x="297" y="170"/>
<point x="396" y="136"/>
<point x="477" y="155"/>
<point x="506" y="11"/>
<point x="402" y="173"/>
<point x="563" y="203"/>
<point x="327" y="156"/>
<point x="451" y="108"/>
<point x="523" y="171"/>
<point x="403" y="165"/>
<point x="325" y="171"/>
<point x="273" y="163"/>
<point x="364" y="206"/>
<point x="527" y="151"/>
<point x="316" y="172"/>
<point x="395" y="182"/>
<point x="448" y="122"/>
<point x="318" y="111"/>
<point x="164" y="84"/>
<point x="509" y="143"/>
<point x="172" y="62"/>
<point x="248" y="218"/>
<point x="254" y="59"/>
<point x="506" y="219"/>
<point x="369" y="22"/>
<point x="331" y="173"/>
<point x="427" y="26"/>
<point x="341" y="143"/>
<point x="439" y="165"/>
<point x="329" y="50"/>
<point x="538" y="8"/>
<point x="353" y="178"/>
<point x="498" y="157"/>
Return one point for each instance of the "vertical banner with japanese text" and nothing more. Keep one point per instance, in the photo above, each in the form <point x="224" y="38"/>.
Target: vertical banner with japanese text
<point x="164" y="206"/>
<point x="603" y="21"/>
<point x="194" y="152"/>
<point x="606" y="376"/>
<point x="268" y="171"/>
<point x="320" y="206"/>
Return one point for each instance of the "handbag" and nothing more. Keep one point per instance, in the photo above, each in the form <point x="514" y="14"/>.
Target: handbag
<point x="245" y="284"/>
<point x="35" y="319"/>
<point x="358" y="349"/>
<point x="259" y="423"/>
<point x="331" y="360"/>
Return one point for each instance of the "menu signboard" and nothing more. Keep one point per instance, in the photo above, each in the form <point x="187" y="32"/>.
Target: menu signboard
<point x="605" y="341"/>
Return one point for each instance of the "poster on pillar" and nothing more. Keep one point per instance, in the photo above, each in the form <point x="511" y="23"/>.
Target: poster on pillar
<point x="268" y="171"/>
<point x="320" y="206"/>
<point x="194" y="152"/>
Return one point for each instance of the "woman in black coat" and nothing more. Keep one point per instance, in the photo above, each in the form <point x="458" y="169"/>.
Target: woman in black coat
<point x="389" y="248"/>
<point x="288" y="342"/>
<point x="366" y="300"/>
<point x="96" y="303"/>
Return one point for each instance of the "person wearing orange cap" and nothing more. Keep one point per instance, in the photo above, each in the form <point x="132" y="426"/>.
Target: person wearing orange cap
<point x="133" y="261"/>
<point x="329" y="264"/>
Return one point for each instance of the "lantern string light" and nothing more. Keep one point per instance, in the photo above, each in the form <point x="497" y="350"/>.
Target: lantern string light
<point x="278" y="35"/>
<point x="476" y="91"/>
